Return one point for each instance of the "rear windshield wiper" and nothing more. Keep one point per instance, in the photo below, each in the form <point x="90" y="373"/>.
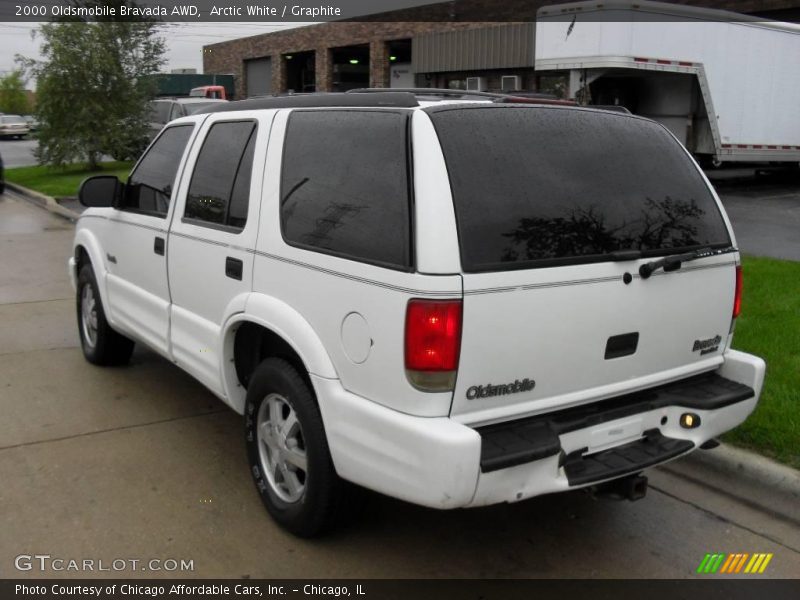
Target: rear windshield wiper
<point x="674" y="262"/>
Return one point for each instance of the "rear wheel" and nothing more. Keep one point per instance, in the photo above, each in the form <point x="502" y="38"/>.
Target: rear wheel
<point x="288" y="451"/>
<point x="100" y="343"/>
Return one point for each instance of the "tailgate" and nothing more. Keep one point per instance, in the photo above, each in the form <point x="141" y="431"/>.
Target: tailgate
<point x="576" y="338"/>
<point x="556" y="209"/>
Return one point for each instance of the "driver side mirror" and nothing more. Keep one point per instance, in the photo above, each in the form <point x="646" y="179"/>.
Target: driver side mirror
<point x="101" y="191"/>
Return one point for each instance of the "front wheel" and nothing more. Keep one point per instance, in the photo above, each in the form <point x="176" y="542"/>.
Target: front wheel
<point x="288" y="451"/>
<point x="100" y="343"/>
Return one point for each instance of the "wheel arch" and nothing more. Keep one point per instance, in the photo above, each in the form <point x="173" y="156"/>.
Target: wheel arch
<point x="268" y="327"/>
<point x="86" y="250"/>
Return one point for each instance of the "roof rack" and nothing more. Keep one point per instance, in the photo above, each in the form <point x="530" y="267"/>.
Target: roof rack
<point x="611" y="107"/>
<point x="462" y="94"/>
<point x="500" y="98"/>
<point x="390" y="99"/>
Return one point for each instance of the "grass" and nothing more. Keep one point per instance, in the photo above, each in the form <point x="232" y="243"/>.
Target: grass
<point x="769" y="327"/>
<point x="63" y="181"/>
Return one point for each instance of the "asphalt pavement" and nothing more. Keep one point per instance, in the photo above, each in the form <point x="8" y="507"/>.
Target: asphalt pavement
<point x="143" y="463"/>
<point x="764" y="209"/>
<point x="18" y="153"/>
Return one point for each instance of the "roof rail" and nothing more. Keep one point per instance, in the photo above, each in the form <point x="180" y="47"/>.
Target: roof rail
<point x="390" y="99"/>
<point x="429" y="92"/>
<point x="502" y="98"/>
<point x="610" y="107"/>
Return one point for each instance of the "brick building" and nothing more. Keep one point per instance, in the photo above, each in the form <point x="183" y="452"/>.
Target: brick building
<point x="439" y="45"/>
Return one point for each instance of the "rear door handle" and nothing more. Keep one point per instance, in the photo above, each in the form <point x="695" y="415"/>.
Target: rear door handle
<point x="158" y="246"/>
<point x="233" y="268"/>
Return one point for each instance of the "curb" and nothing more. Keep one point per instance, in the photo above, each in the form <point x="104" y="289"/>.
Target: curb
<point x="753" y="467"/>
<point x="47" y="202"/>
<point x="749" y="478"/>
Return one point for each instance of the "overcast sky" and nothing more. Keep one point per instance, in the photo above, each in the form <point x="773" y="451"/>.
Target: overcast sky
<point x="184" y="41"/>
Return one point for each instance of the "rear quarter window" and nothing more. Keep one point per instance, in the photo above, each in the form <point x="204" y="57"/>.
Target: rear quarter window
<point x="345" y="185"/>
<point x="539" y="186"/>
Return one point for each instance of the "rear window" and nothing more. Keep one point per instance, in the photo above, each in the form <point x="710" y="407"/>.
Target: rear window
<point x="538" y="186"/>
<point x="159" y="111"/>
<point x="191" y="108"/>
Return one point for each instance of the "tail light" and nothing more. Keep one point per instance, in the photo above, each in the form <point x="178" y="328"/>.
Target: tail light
<point x="737" y="299"/>
<point x="432" y="343"/>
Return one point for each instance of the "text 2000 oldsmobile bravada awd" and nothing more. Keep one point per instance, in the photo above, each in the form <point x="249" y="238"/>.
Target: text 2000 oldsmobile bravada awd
<point x="452" y="301"/>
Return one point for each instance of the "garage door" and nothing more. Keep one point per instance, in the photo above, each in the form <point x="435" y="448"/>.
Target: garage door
<point x="258" y="75"/>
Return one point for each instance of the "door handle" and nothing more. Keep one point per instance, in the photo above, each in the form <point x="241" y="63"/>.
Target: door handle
<point x="158" y="246"/>
<point x="233" y="268"/>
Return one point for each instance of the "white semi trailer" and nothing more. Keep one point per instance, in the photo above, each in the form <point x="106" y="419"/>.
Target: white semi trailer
<point x="727" y="85"/>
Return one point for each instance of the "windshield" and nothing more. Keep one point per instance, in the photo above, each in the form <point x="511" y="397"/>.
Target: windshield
<point x="13" y="119"/>
<point x="538" y="186"/>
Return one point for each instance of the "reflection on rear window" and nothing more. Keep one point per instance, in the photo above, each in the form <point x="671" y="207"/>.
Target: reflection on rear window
<point x="536" y="186"/>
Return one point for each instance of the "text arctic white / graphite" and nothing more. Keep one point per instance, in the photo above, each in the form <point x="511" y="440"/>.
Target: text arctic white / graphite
<point x="263" y="10"/>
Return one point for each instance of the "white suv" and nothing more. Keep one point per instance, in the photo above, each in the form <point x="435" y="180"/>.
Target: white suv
<point x="455" y="302"/>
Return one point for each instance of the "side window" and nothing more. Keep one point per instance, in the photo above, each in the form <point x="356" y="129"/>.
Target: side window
<point x="149" y="188"/>
<point x="345" y="185"/>
<point x="176" y="112"/>
<point x="219" y="193"/>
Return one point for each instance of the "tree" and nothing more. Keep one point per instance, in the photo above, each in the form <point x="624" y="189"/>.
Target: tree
<point x="93" y="86"/>
<point x="13" y="99"/>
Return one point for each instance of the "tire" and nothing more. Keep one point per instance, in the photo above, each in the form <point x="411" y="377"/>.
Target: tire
<point x="100" y="343"/>
<point x="305" y="502"/>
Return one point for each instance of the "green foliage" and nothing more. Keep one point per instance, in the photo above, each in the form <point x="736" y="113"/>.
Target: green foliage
<point x="13" y="99"/>
<point x="768" y="327"/>
<point x="93" y="87"/>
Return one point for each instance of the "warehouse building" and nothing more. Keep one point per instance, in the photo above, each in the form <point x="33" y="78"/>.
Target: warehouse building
<point x="461" y="44"/>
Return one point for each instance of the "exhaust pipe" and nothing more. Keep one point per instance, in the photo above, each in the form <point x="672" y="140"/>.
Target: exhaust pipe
<point x="633" y="487"/>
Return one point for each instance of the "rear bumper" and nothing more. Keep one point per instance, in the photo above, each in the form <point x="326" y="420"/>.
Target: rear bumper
<point x="8" y="131"/>
<point x="440" y="463"/>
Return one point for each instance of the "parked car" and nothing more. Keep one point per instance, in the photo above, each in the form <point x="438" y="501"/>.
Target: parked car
<point x="166" y="110"/>
<point x="33" y="124"/>
<point x="455" y="303"/>
<point x="13" y="126"/>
